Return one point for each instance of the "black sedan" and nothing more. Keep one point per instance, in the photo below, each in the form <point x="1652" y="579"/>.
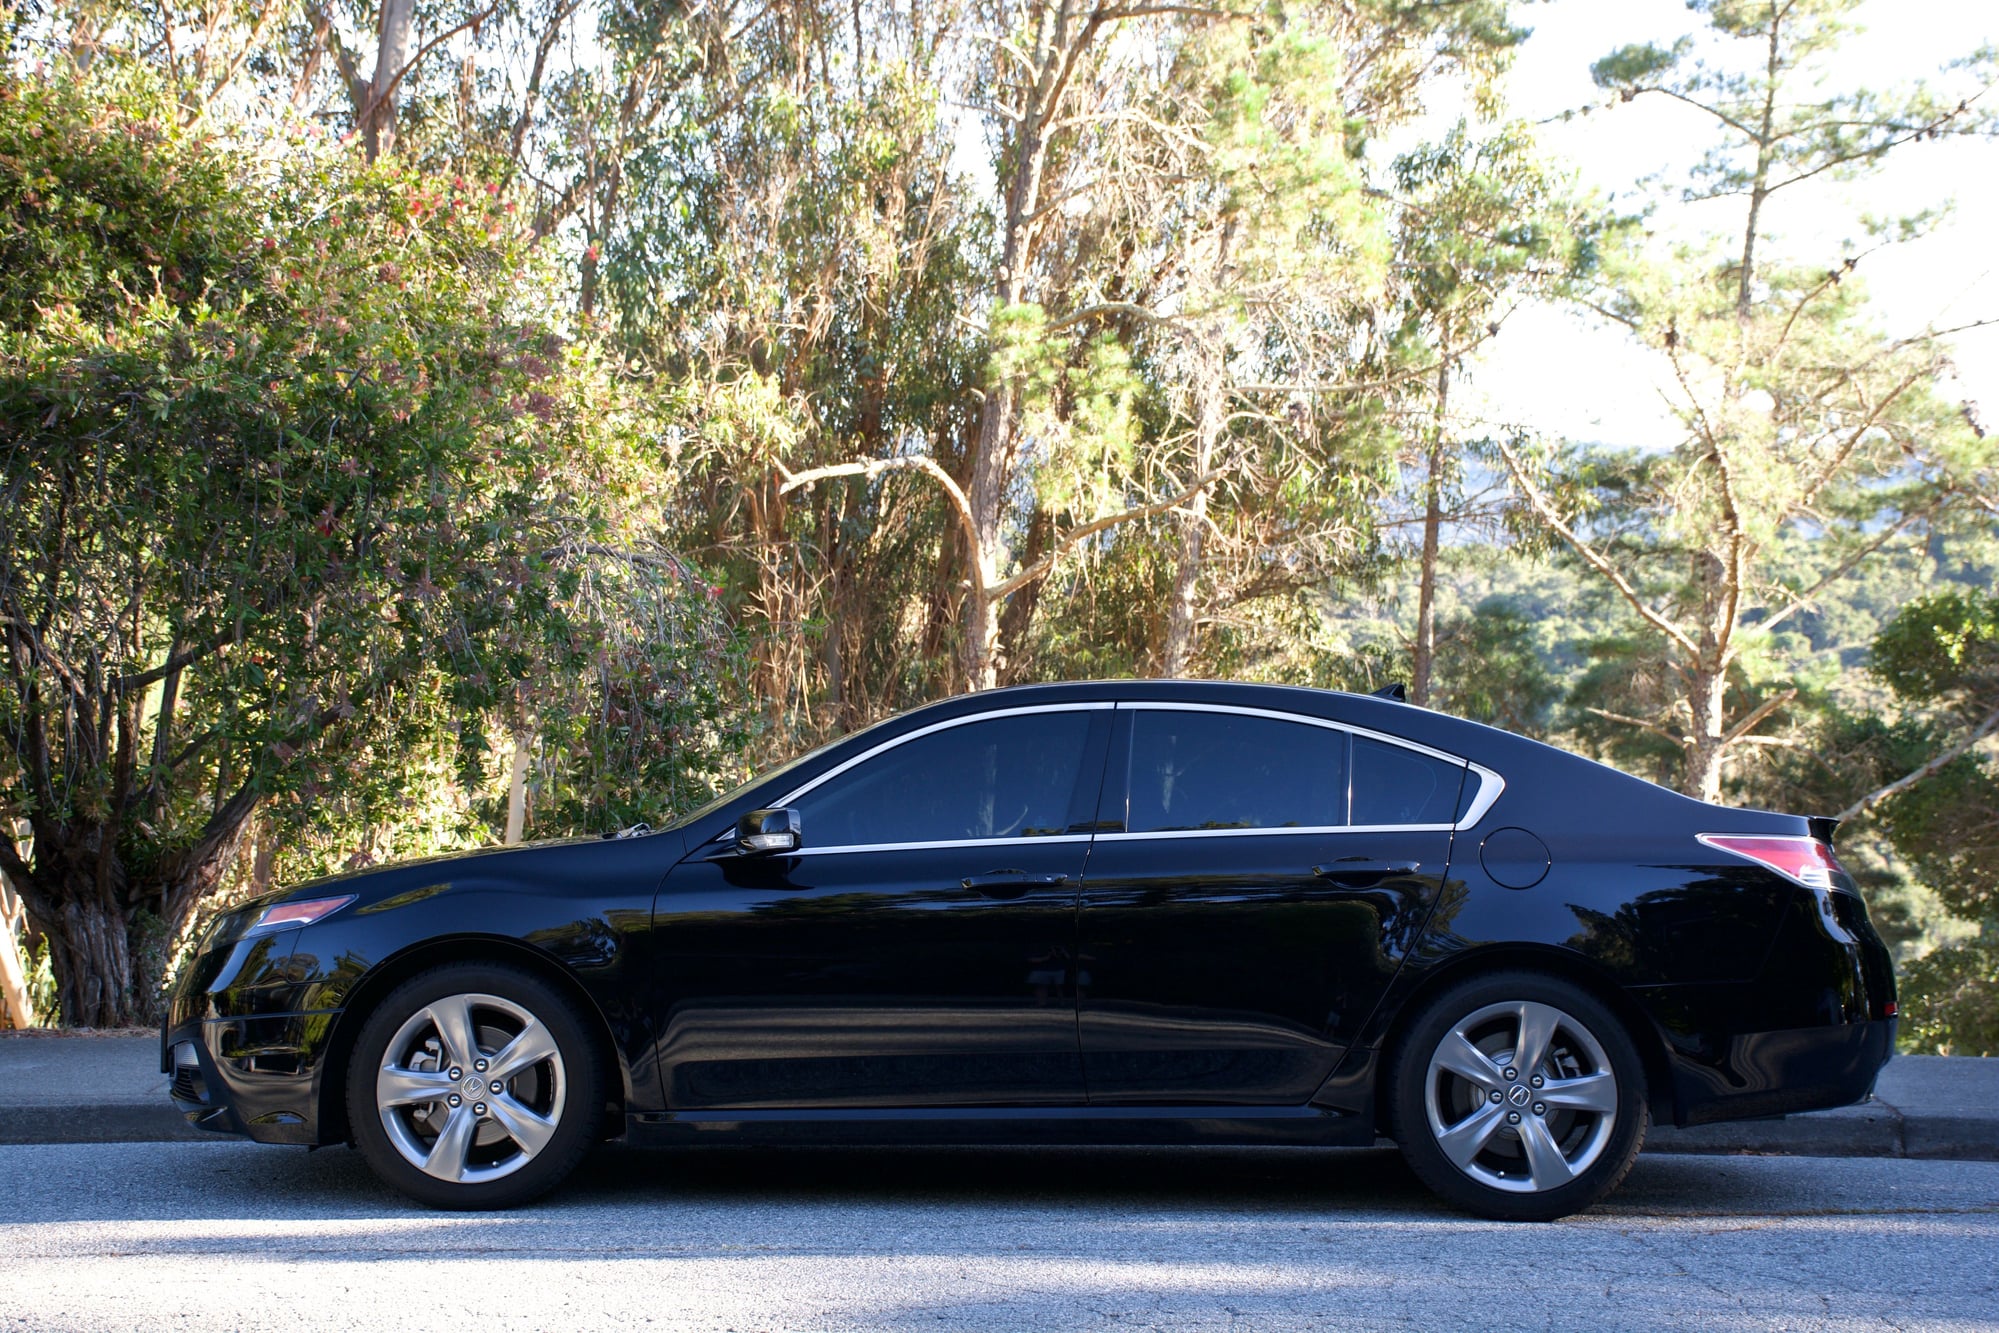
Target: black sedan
<point x="1124" y="912"/>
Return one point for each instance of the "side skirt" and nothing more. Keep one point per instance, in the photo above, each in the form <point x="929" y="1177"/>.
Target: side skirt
<point x="1316" y="1126"/>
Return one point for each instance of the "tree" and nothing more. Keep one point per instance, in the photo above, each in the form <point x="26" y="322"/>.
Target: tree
<point x="285" y="517"/>
<point x="1940" y="657"/>
<point x="1220" y="227"/>
<point x="1482" y="226"/>
<point x="1801" y="415"/>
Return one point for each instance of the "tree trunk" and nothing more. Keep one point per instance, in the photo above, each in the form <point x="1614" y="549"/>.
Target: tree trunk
<point x="1059" y="43"/>
<point x="1759" y="185"/>
<point x="517" y="790"/>
<point x="90" y="951"/>
<point x="1707" y="688"/>
<point x="980" y="652"/>
<point x="81" y="898"/>
<point x="81" y="912"/>
<point x="1426" y="582"/>
<point x="378" y="126"/>
<point x="1182" y="611"/>
<point x="1017" y="617"/>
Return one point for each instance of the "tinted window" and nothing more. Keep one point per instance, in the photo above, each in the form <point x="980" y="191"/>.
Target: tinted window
<point x="1011" y="777"/>
<point x="1392" y="785"/>
<point x="1228" y="770"/>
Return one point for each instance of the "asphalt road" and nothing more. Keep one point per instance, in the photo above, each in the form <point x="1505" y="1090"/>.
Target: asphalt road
<point x="233" y="1236"/>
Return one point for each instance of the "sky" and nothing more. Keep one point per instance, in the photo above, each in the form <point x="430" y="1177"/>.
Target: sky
<point x="1575" y="376"/>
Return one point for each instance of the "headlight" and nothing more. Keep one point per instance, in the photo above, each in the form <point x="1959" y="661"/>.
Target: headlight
<point x="282" y="916"/>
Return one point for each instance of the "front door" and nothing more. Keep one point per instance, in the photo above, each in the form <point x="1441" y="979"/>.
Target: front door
<point x="1241" y="925"/>
<point x="919" y="948"/>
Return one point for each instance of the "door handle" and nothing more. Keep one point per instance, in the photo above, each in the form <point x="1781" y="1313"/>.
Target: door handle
<point x="1011" y="883"/>
<point x="1360" y="872"/>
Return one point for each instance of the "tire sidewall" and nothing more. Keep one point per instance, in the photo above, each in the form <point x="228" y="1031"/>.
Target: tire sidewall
<point x="1410" y="1124"/>
<point x="582" y="1101"/>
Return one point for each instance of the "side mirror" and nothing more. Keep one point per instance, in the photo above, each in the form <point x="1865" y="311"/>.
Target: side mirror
<point x="762" y="831"/>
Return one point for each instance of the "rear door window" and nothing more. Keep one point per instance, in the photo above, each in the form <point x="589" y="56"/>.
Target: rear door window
<point x="1195" y="771"/>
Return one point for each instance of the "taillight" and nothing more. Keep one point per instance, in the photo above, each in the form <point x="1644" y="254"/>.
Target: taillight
<point x="1806" y="861"/>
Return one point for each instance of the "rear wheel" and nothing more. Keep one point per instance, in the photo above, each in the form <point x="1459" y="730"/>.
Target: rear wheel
<point x="1518" y="1096"/>
<point x="473" y="1085"/>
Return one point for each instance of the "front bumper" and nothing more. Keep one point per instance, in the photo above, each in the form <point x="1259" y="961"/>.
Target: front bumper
<point x="244" y="1046"/>
<point x="259" y="1077"/>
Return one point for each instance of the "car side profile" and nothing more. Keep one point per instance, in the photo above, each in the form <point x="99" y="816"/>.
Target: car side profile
<point x="1162" y="912"/>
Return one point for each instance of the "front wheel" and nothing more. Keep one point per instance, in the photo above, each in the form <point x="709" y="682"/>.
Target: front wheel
<point x="1518" y="1096"/>
<point x="473" y="1085"/>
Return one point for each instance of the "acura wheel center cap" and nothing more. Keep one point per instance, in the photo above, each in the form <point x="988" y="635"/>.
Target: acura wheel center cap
<point x="1518" y="1096"/>
<point x="473" y="1087"/>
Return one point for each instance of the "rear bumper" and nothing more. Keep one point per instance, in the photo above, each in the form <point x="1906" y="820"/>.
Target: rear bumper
<point x="1781" y="1072"/>
<point x="258" y="1077"/>
<point x="1811" y="1032"/>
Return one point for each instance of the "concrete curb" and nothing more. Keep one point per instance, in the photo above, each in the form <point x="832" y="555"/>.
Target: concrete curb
<point x="106" y="1122"/>
<point x="1871" y="1131"/>
<point x="109" y="1090"/>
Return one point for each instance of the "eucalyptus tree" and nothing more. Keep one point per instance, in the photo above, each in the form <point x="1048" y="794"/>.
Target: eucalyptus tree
<point x="1801" y="415"/>
<point x="791" y="263"/>
<point x="1244" y="251"/>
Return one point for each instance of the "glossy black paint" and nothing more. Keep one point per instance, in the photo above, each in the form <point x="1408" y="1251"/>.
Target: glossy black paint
<point x="1212" y="986"/>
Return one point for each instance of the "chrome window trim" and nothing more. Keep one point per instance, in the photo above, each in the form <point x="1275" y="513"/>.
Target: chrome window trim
<point x="1030" y="841"/>
<point x="949" y="722"/>
<point x="1312" y="830"/>
<point x="1306" y="718"/>
<point x="1491" y="784"/>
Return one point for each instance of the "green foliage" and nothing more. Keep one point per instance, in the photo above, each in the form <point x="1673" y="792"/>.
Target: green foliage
<point x="1942" y="649"/>
<point x="1488" y="669"/>
<point x="319" y="523"/>
<point x="1940" y="657"/>
<point x="80" y="222"/>
<point x="1950" y="1000"/>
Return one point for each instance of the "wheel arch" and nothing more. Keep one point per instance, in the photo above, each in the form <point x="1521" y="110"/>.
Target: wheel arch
<point x="378" y="981"/>
<point x="1565" y="964"/>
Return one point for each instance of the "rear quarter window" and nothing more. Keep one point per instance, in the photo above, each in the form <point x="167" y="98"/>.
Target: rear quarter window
<point x="1393" y="785"/>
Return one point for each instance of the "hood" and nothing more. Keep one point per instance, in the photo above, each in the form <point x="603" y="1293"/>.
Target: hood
<point x="370" y="882"/>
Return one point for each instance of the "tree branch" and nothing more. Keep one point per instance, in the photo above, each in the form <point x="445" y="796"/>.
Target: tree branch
<point x="872" y="468"/>
<point x="1640" y="723"/>
<point x="1915" y="775"/>
<point x="1006" y="587"/>
<point x="1800" y="600"/>
<point x="139" y="680"/>
<point x="1748" y="724"/>
<point x="1545" y="511"/>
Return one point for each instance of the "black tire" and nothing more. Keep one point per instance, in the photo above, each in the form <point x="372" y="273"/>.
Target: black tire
<point x="501" y="1144"/>
<point x="1570" y="1139"/>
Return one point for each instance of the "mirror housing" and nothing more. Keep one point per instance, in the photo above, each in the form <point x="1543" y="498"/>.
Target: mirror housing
<point x="763" y="831"/>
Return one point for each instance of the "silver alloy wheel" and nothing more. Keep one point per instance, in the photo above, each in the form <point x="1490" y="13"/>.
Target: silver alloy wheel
<point x="471" y="1088"/>
<point x="1520" y="1096"/>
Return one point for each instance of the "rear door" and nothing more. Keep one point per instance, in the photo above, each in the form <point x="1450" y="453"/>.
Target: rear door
<point x="1255" y="882"/>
